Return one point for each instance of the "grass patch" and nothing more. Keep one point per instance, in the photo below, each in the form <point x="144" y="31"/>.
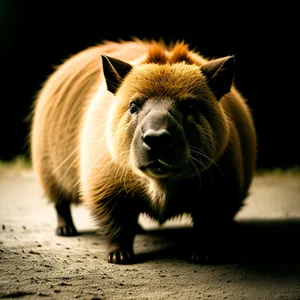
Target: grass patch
<point x="295" y="170"/>
<point x="18" y="163"/>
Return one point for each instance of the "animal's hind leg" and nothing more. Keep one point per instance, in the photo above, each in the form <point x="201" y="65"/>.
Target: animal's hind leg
<point x="65" y="225"/>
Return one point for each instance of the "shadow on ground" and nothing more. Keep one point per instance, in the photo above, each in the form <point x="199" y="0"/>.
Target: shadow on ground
<point x="270" y="246"/>
<point x="258" y="244"/>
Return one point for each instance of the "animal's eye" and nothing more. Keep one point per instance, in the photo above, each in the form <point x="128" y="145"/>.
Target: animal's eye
<point x="190" y="107"/>
<point x="133" y="107"/>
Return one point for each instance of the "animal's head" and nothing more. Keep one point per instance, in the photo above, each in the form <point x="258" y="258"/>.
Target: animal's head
<point x="167" y="121"/>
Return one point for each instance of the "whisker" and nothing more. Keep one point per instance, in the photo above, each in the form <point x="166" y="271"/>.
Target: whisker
<point x="197" y="171"/>
<point x="197" y="151"/>
<point x="200" y="162"/>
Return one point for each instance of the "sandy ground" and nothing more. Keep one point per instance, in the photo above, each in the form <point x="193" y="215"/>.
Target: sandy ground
<point x="261" y="257"/>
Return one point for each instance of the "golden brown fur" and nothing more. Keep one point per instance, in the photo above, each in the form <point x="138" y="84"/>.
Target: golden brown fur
<point x="85" y="144"/>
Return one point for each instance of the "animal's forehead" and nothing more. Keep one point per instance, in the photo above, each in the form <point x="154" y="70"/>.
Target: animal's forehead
<point x="170" y="79"/>
<point x="178" y="69"/>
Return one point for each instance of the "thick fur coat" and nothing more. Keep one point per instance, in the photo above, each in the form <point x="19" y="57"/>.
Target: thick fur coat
<point x="140" y="127"/>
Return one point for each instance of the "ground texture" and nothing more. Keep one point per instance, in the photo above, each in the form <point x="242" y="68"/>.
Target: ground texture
<point x="261" y="256"/>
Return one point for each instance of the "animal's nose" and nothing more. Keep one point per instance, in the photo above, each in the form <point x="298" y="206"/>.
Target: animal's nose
<point x="157" y="139"/>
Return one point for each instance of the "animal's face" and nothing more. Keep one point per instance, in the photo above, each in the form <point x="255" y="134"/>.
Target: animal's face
<point x="166" y="122"/>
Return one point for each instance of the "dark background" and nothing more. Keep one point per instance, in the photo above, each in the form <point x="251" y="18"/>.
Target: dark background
<point x="36" y="36"/>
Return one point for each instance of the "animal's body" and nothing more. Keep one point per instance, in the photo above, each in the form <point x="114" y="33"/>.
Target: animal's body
<point x="138" y="127"/>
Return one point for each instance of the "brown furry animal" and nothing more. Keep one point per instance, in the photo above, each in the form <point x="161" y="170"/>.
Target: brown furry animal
<point x="140" y="127"/>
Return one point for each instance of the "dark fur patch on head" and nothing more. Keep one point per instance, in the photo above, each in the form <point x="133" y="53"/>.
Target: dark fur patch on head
<point x="161" y="54"/>
<point x="157" y="54"/>
<point x="180" y="53"/>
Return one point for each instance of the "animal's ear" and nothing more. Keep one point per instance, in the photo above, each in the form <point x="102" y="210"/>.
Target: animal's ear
<point x="219" y="75"/>
<point x="114" y="72"/>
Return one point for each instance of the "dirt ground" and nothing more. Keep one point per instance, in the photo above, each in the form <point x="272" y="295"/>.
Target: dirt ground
<point x="261" y="256"/>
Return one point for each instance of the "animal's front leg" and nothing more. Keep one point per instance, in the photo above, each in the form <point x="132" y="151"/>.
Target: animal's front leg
<point x="213" y="222"/>
<point x="120" y="243"/>
<point x="117" y="218"/>
<point x="204" y="243"/>
<point x="115" y="209"/>
<point x="209" y="233"/>
<point x="120" y="222"/>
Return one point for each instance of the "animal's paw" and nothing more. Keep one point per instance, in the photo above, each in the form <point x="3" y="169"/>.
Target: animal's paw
<point x="200" y="258"/>
<point x="205" y="256"/>
<point x="120" y="256"/>
<point x="66" y="230"/>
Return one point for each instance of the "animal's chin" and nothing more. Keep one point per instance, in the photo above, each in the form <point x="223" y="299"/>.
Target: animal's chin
<point x="160" y="170"/>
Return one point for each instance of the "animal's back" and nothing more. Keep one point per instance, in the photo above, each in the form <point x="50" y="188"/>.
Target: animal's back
<point x="59" y="111"/>
<point x="238" y="110"/>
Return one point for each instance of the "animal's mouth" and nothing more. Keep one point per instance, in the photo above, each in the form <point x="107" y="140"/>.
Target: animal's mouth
<point x="160" y="169"/>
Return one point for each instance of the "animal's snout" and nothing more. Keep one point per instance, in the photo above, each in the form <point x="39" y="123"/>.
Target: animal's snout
<point x="160" y="139"/>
